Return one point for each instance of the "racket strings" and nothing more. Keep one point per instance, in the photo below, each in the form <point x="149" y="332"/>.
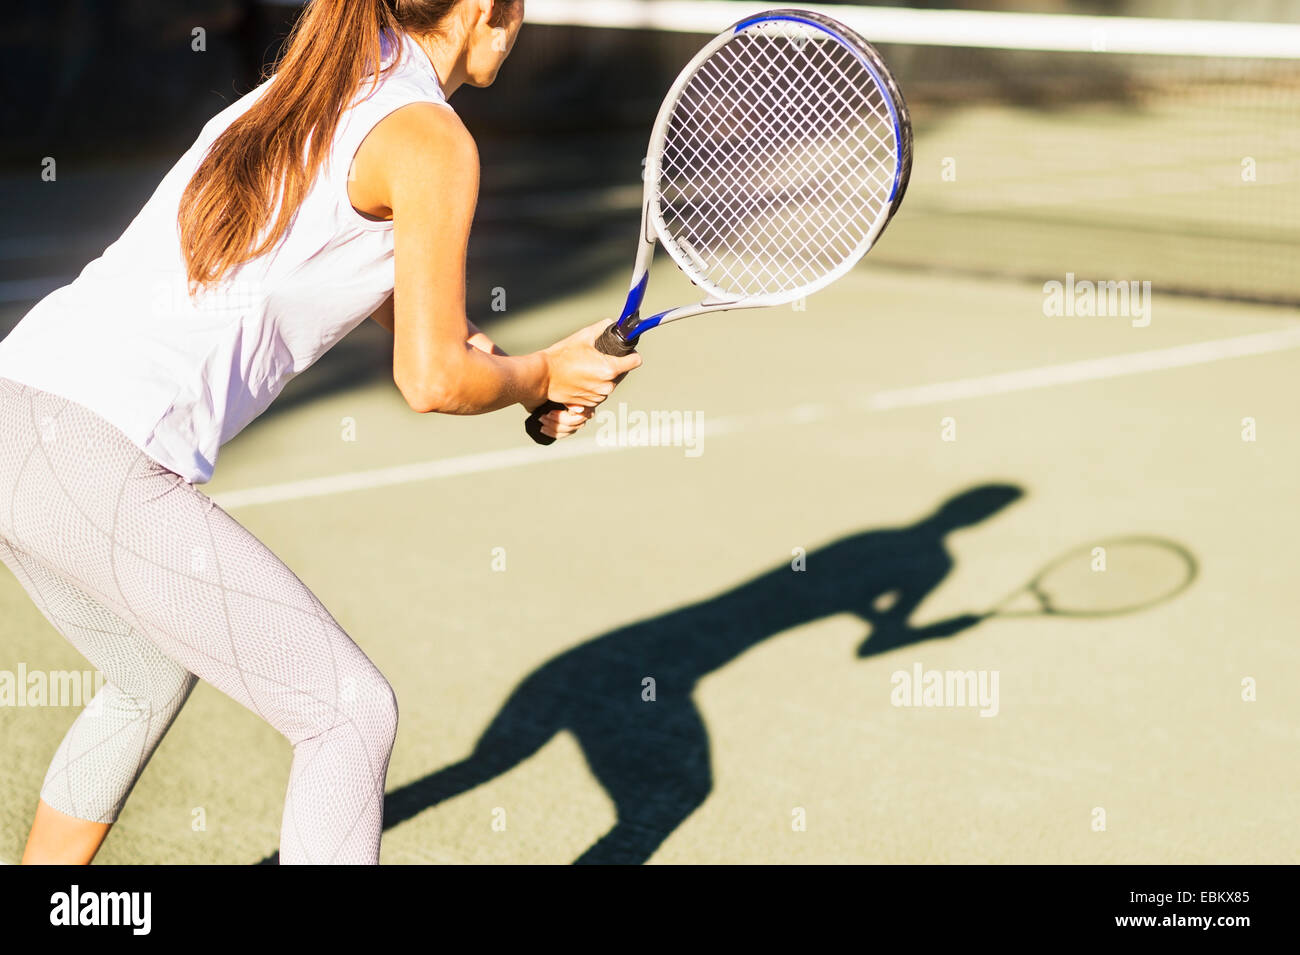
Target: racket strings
<point x="777" y="164"/>
<point x="762" y="224"/>
<point x="823" y="221"/>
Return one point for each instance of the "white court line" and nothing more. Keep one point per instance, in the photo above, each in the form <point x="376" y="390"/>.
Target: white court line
<point x="1096" y="369"/>
<point x="1004" y="31"/>
<point x="443" y="468"/>
<point x="970" y="28"/>
<point x="408" y="473"/>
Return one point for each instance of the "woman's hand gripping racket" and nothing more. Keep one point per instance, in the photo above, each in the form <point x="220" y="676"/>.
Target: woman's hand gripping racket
<point x="777" y="159"/>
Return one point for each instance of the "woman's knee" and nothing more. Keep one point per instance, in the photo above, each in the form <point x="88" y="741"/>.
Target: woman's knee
<point x="362" y="704"/>
<point x="156" y="693"/>
<point x="376" y="712"/>
<point x="389" y="714"/>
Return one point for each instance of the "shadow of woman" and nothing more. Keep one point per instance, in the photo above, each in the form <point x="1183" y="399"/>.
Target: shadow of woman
<point x="652" y="757"/>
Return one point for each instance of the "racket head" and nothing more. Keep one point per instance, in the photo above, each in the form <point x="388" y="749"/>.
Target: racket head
<point x="778" y="157"/>
<point x="1139" y="572"/>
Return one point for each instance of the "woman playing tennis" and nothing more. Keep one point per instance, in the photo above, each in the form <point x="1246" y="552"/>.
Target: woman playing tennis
<point x="340" y="189"/>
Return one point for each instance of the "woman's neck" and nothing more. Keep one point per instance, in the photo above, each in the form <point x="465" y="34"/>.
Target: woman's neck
<point x="447" y="54"/>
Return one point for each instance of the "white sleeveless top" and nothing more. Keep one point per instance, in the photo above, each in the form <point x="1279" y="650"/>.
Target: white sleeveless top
<point x="181" y="376"/>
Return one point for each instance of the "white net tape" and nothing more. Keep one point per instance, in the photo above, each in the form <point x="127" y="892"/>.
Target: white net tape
<point x="777" y="164"/>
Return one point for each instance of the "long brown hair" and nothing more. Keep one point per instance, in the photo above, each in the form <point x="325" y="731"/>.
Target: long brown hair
<point x="264" y="163"/>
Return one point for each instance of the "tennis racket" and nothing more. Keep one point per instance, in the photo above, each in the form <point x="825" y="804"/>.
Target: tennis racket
<point x="778" y="157"/>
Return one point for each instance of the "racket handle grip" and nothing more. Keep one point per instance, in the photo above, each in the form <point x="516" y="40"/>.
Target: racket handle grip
<point x="533" y="426"/>
<point x="608" y="343"/>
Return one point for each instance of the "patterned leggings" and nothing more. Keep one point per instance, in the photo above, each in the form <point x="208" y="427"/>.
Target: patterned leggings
<point x="157" y="586"/>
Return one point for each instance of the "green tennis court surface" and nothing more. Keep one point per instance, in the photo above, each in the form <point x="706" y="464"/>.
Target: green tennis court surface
<point x="1139" y="715"/>
<point x="519" y="598"/>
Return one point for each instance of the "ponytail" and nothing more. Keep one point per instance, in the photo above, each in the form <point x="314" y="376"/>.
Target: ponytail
<point x="264" y="163"/>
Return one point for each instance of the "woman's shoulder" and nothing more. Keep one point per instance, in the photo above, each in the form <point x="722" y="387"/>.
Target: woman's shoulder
<point x="423" y="129"/>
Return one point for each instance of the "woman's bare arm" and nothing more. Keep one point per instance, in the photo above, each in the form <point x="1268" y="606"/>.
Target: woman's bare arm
<point x="383" y="316"/>
<point x="419" y="167"/>
<point x="421" y="164"/>
<point x="479" y="339"/>
<point x="558" y="424"/>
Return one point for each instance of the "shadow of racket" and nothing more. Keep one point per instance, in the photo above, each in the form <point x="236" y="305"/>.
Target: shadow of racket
<point x="1105" y="578"/>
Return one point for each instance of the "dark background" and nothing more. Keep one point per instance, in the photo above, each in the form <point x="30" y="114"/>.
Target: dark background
<point x="119" y="77"/>
<point x="113" y="92"/>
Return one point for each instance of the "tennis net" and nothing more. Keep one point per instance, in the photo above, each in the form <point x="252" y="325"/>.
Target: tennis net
<point x="1110" y="148"/>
